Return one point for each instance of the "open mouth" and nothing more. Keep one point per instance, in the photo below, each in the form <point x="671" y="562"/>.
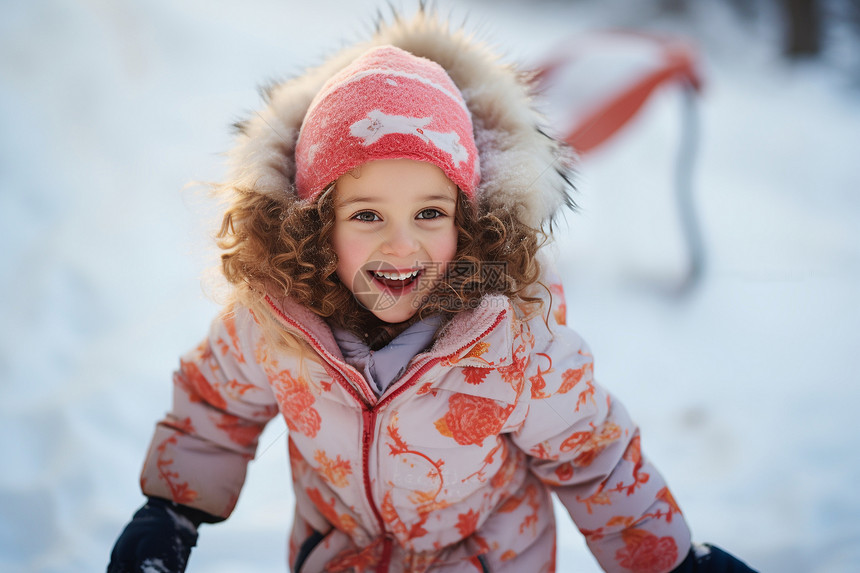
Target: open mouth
<point x="395" y="280"/>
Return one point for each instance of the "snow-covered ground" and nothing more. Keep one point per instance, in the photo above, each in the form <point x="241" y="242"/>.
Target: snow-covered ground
<point x="746" y="386"/>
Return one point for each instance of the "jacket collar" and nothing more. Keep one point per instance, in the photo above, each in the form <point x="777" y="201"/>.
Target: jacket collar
<point x="453" y="342"/>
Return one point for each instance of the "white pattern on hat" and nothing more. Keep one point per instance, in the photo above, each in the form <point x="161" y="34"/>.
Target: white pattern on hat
<point x="456" y="98"/>
<point x="378" y="124"/>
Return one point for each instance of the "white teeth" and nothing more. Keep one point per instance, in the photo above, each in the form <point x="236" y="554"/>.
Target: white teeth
<point x="397" y="276"/>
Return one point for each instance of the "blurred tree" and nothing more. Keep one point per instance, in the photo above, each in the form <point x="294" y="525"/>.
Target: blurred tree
<point x="746" y="8"/>
<point x="803" y="28"/>
<point x="854" y="14"/>
<point x="675" y="6"/>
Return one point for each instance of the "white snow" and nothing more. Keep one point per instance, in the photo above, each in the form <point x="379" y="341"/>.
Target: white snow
<point x="154" y="566"/>
<point x="746" y="386"/>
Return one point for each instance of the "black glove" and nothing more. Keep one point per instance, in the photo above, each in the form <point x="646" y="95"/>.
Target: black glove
<point x="158" y="538"/>
<point x="711" y="559"/>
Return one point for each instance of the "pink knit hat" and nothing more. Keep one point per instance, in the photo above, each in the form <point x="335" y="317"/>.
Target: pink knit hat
<point x="387" y="104"/>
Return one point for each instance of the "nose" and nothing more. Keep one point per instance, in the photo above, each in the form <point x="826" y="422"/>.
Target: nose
<point x="400" y="241"/>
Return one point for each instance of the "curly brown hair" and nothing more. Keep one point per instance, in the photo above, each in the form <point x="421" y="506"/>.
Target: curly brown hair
<point x="284" y="249"/>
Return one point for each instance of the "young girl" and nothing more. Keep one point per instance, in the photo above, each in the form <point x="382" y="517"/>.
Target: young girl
<point x="389" y="302"/>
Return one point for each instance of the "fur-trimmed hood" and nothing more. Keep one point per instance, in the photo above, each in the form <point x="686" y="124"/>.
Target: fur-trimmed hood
<point x="523" y="169"/>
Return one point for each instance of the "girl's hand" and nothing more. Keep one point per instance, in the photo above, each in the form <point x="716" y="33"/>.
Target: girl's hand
<point x="158" y="538"/>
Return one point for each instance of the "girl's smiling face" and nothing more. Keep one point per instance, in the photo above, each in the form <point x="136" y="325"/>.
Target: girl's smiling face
<point x="394" y="234"/>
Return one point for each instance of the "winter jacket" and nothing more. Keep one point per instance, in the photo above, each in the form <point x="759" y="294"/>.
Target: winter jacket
<point x="452" y="467"/>
<point x="455" y="461"/>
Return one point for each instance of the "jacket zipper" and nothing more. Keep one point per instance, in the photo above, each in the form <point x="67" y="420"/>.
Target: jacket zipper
<point x="369" y="416"/>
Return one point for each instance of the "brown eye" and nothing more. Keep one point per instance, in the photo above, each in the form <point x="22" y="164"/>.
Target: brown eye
<point x="430" y="214"/>
<point x="366" y="216"/>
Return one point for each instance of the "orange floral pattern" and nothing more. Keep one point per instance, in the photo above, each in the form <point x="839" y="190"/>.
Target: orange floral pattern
<point x="233" y="346"/>
<point x="531" y="519"/>
<point x="559" y="312"/>
<point x="474" y="375"/>
<point x="426" y="388"/>
<point x="538" y="381"/>
<point x="476" y="351"/>
<point x="334" y="471"/>
<point x="564" y="472"/>
<point x="514" y="372"/>
<point x="392" y="519"/>
<point x="467" y="523"/>
<point x="590" y="444"/>
<point x="197" y="386"/>
<point x="180" y="492"/>
<point x="472" y="419"/>
<point x="238" y="430"/>
<point x="666" y="496"/>
<point x="342" y="521"/>
<point x="354" y="561"/>
<point x="644" y="552"/>
<point x="571" y="377"/>
<point x="296" y="401"/>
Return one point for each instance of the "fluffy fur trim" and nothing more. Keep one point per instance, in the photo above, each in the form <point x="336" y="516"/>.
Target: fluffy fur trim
<point x="523" y="169"/>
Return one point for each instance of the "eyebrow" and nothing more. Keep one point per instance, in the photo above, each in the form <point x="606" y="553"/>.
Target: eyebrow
<point x="372" y="199"/>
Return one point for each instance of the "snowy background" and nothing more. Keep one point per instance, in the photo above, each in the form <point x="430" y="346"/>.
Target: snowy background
<point x="746" y="386"/>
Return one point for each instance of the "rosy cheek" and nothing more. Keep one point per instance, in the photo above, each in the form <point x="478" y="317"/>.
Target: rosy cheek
<point x="343" y="275"/>
<point x="347" y="267"/>
<point x="451" y="251"/>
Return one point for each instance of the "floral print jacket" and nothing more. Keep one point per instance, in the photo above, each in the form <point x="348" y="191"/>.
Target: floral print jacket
<point x="451" y="469"/>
